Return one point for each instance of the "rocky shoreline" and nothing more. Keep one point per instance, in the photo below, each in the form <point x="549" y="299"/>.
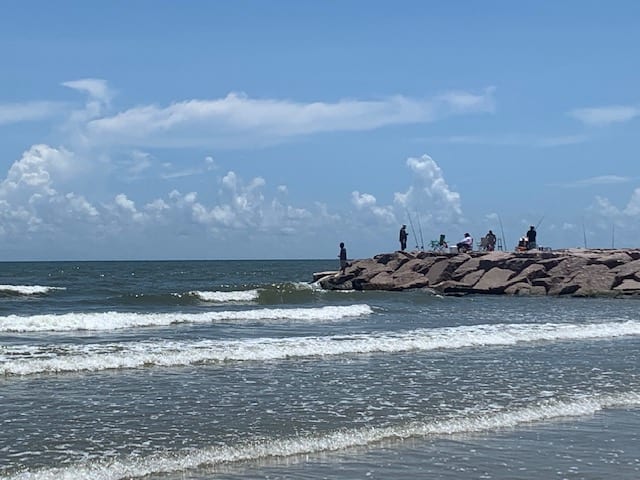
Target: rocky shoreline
<point x="571" y="272"/>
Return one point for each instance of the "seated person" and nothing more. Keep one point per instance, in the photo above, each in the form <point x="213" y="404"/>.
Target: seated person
<point x="522" y="245"/>
<point x="443" y="242"/>
<point x="466" y="244"/>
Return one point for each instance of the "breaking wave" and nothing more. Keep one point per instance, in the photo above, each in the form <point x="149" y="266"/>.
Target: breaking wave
<point x="292" y="447"/>
<point x="27" y="360"/>
<point x="27" y="289"/>
<point x="226" y="297"/>
<point x="121" y="320"/>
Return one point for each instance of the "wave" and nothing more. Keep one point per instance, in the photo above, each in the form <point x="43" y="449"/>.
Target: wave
<point x="282" y="293"/>
<point x="289" y="292"/>
<point x="28" y="360"/>
<point x="122" y="320"/>
<point x="27" y="289"/>
<point x="226" y="297"/>
<point x="295" y="446"/>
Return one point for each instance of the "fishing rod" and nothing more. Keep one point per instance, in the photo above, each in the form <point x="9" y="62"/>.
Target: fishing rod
<point x="420" y="229"/>
<point x="613" y="235"/>
<point x="504" y="240"/>
<point x="413" y="230"/>
<point x="584" y="233"/>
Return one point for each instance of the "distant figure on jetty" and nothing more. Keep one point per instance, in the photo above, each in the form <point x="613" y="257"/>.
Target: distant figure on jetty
<point x="491" y="241"/>
<point x="403" y="237"/>
<point x="466" y="244"/>
<point x="531" y="238"/>
<point x="343" y="257"/>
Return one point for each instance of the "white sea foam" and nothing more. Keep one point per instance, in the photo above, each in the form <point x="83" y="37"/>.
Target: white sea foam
<point x="120" y="320"/>
<point x="226" y="297"/>
<point x="26" y="360"/>
<point x="29" y="289"/>
<point x="255" y="451"/>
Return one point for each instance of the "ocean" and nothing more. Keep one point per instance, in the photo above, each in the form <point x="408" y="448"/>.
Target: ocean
<point x="246" y="369"/>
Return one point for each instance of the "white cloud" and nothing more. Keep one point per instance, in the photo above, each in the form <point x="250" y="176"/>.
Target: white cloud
<point x="633" y="206"/>
<point x="30" y="201"/>
<point x="37" y="169"/>
<point x="464" y="102"/>
<point x="238" y="120"/>
<point x="603" y="116"/>
<point x="594" y="181"/>
<point x="33" y="201"/>
<point x="125" y="204"/>
<point x="97" y="89"/>
<point x="28" y="111"/>
<point x="99" y="97"/>
<point x="365" y="202"/>
<point x="430" y="192"/>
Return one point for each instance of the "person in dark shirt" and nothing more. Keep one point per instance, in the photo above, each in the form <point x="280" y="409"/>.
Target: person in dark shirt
<point x="531" y="238"/>
<point x="403" y="237"/>
<point x="343" y="257"/>
<point x="491" y="241"/>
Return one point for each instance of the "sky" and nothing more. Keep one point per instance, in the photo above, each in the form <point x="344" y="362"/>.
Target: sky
<point x="156" y="129"/>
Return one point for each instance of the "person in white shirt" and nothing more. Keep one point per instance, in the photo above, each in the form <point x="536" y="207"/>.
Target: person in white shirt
<point x="466" y="244"/>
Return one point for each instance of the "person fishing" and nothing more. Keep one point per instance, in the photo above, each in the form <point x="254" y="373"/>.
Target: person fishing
<point x="531" y="238"/>
<point x="403" y="237"/>
<point x="343" y="257"/>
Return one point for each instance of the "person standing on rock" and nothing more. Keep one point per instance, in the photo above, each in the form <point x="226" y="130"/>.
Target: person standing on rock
<point x="343" y="257"/>
<point x="491" y="241"/>
<point x="403" y="237"/>
<point x="531" y="238"/>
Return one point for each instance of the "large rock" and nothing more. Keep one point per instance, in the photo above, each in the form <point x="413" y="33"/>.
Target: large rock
<point x="493" y="281"/>
<point x="529" y="273"/>
<point x="576" y="272"/>
<point x="628" y="285"/>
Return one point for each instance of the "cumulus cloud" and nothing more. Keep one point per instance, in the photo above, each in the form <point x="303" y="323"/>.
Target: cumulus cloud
<point x="367" y="203"/>
<point x="605" y="213"/>
<point x="430" y="192"/>
<point x="36" y="170"/>
<point x="603" y="116"/>
<point x="33" y="200"/>
<point x="238" y="119"/>
<point x="30" y="200"/>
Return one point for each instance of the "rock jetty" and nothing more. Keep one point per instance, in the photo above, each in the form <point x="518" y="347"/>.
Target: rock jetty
<point x="572" y="272"/>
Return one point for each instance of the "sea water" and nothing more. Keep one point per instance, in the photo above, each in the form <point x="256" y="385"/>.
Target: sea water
<point x="246" y="369"/>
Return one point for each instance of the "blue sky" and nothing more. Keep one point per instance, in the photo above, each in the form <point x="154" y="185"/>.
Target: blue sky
<point x="252" y="129"/>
